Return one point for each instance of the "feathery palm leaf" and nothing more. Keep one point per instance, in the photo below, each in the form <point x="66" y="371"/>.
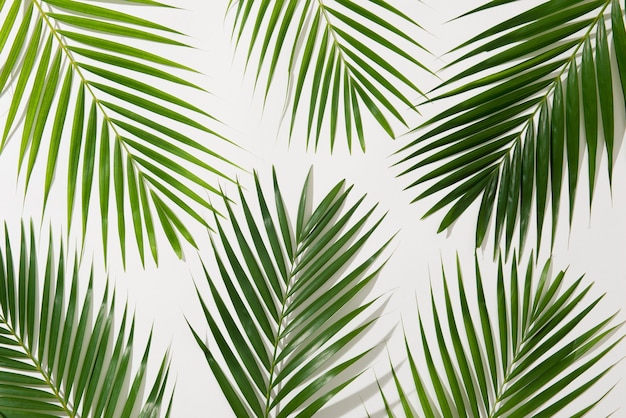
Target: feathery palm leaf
<point x="545" y="80"/>
<point x="77" y="86"/>
<point x="53" y="361"/>
<point x="280" y="343"/>
<point x="345" y="73"/>
<point x="530" y="363"/>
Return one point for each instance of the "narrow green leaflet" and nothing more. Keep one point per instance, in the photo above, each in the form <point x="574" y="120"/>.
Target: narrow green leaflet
<point x="61" y="355"/>
<point x="529" y="109"/>
<point x="540" y="346"/>
<point x="332" y="70"/>
<point x="84" y="86"/>
<point x="292" y="301"/>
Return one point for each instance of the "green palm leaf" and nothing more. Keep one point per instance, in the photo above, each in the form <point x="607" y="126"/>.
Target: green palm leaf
<point x="57" y="361"/>
<point x="79" y="91"/>
<point x="520" y="356"/>
<point x="547" y="76"/>
<point x="289" y="307"/>
<point x="345" y="74"/>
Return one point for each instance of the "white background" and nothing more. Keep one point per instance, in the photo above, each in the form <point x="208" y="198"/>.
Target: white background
<point x="163" y="297"/>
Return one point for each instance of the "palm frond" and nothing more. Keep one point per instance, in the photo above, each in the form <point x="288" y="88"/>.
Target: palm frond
<point x="332" y="67"/>
<point x="290" y="305"/>
<point x="77" y="67"/>
<point x="535" y="361"/>
<point x="528" y="110"/>
<point x="55" y="359"/>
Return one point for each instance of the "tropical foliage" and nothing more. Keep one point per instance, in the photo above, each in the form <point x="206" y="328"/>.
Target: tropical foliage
<point x="535" y="361"/>
<point x="280" y="345"/>
<point x="55" y="359"/>
<point x="93" y="99"/>
<point x="534" y="100"/>
<point x="122" y="136"/>
<point x="333" y="72"/>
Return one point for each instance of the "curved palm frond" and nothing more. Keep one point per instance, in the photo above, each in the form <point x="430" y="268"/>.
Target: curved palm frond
<point x="345" y="73"/>
<point x="512" y="137"/>
<point x="98" y="113"/>
<point x="290" y="307"/>
<point x="55" y="360"/>
<point x="535" y="361"/>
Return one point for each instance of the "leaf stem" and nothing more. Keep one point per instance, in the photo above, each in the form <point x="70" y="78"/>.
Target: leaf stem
<point x="277" y="339"/>
<point x="284" y="305"/>
<point x="74" y="64"/>
<point x="510" y="367"/>
<point x="563" y="71"/>
<point x="83" y="80"/>
<point x="331" y="29"/>
<point x="76" y="68"/>
<point x="48" y="379"/>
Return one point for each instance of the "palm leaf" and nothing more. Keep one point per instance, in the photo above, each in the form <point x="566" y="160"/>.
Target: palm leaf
<point x="79" y="91"/>
<point x="521" y="356"/>
<point x="289" y="306"/>
<point x="519" y="131"/>
<point x="345" y="74"/>
<point x="55" y="361"/>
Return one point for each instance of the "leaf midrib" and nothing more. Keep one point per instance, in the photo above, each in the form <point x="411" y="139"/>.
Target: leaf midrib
<point x="510" y="368"/>
<point x="74" y="65"/>
<point x="336" y="43"/>
<point x="278" y="336"/>
<point x="48" y="379"/>
<point x="552" y="86"/>
<point x="289" y="280"/>
<point x="77" y="69"/>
